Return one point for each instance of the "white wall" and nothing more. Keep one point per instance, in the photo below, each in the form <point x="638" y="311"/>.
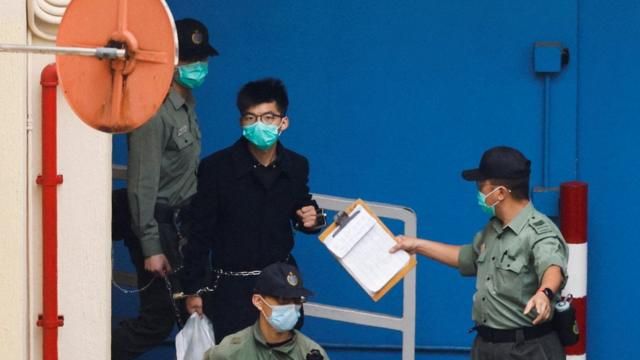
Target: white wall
<point x="84" y="218"/>
<point x="13" y="186"/>
<point x="84" y="246"/>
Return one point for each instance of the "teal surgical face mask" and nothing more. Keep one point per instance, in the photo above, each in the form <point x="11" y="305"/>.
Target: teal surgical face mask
<point x="482" y="202"/>
<point x="283" y="317"/>
<point x="192" y="75"/>
<point x="261" y="135"/>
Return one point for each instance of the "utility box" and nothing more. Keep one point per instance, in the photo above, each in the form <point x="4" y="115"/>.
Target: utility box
<point x="548" y="56"/>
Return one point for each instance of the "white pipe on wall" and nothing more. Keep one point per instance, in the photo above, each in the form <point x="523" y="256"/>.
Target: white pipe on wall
<point x="49" y="12"/>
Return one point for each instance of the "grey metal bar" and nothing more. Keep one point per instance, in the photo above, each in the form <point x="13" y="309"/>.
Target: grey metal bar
<point x="407" y="323"/>
<point x="100" y="52"/>
<point x="353" y="316"/>
<point x="409" y="294"/>
<point x="119" y="172"/>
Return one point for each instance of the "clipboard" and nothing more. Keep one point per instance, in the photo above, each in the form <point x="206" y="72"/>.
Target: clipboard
<point x="351" y="224"/>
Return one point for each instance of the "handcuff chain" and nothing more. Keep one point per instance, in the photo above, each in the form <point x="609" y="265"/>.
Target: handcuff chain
<point x="237" y="273"/>
<point x="207" y="289"/>
<point x="133" y="291"/>
<point x="173" y="301"/>
<point x="139" y="290"/>
<point x="220" y="273"/>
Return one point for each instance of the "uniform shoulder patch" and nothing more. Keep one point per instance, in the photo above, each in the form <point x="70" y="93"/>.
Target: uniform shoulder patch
<point x="540" y="226"/>
<point x="236" y="340"/>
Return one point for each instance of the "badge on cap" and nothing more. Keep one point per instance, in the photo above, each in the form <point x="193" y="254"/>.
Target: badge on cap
<point x="197" y="37"/>
<point x="292" y="279"/>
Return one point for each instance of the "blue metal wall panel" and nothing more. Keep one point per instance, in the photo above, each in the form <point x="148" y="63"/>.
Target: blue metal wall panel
<point x="608" y="135"/>
<point x="389" y="101"/>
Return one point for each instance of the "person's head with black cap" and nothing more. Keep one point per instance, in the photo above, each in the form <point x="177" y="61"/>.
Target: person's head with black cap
<point x="502" y="179"/>
<point x="194" y="51"/>
<point x="278" y="295"/>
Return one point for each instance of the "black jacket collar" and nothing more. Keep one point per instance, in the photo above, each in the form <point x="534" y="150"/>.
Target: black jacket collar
<point x="243" y="160"/>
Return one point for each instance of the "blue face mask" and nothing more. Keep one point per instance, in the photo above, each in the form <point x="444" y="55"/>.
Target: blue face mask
<point x="482" y="202"/>
<point x="192" y="75"/>
<point x="283" y="317"/>
<point x="261" y="135"/>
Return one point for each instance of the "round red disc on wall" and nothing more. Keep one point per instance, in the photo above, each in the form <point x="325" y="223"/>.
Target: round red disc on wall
<point x="117" y="95"/>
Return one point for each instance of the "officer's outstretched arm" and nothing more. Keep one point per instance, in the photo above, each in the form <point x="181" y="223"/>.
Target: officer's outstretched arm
<point x="444" y="253"/>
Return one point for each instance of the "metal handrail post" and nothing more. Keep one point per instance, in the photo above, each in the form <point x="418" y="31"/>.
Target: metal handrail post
<point x="405" y="324"/>
<point x="409" y="298"/>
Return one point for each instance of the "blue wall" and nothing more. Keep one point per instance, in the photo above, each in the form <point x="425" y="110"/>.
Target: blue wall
<point x="391" y="101"/>
<point x="609" y="104"/>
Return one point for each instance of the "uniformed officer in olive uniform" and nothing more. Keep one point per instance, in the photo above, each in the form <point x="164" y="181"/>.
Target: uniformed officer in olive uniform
<point x="277" y="295"/>
<point x="164" y="154"/>
<point x="519" y="259"/>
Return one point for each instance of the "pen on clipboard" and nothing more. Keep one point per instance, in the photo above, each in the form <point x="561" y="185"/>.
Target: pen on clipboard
<point x="342" y="219"/>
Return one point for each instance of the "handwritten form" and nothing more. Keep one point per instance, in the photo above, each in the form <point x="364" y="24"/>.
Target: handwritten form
<point x="363" y="246"/>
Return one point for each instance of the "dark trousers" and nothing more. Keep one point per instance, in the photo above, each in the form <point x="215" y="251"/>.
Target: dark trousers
<point x="230" y="307"/>
<point x="156" y="316"/>
<point x="546" y="347"/>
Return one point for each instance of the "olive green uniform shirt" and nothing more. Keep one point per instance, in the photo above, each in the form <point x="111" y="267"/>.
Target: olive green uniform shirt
<point x="250" y="344"/>
<point x="163" y="160"/>
<point x="509" y="263"/>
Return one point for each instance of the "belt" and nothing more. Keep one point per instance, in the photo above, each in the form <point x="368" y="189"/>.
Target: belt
<point x="511" y="335"/>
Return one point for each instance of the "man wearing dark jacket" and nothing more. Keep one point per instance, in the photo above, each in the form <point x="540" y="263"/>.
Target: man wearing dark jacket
<point x="250" y="197"/>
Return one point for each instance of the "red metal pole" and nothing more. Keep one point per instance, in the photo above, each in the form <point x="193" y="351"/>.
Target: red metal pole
<point x="573" y="224"/>
<point x="49" y="320"/>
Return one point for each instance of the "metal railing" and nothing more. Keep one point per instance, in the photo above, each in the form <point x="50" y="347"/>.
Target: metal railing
<point x="406" y="323"/>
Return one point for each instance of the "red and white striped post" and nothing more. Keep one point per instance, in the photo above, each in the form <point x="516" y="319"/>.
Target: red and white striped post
<point x="573" y="224"/>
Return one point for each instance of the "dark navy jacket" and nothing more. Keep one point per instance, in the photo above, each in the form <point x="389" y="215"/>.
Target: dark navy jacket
<point x="241" y="221"/>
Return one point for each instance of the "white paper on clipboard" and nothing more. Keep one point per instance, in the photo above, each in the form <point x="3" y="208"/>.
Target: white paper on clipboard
<point x="363" y="246"/>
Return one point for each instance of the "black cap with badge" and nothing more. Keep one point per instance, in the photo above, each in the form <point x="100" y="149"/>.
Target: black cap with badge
<point x="500" y="162"/>
<point x="281" y="280"/>
<point x="193" y="40"/>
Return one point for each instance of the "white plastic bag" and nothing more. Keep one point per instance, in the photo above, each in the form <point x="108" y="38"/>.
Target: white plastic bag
<point x="195" y="338"/>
